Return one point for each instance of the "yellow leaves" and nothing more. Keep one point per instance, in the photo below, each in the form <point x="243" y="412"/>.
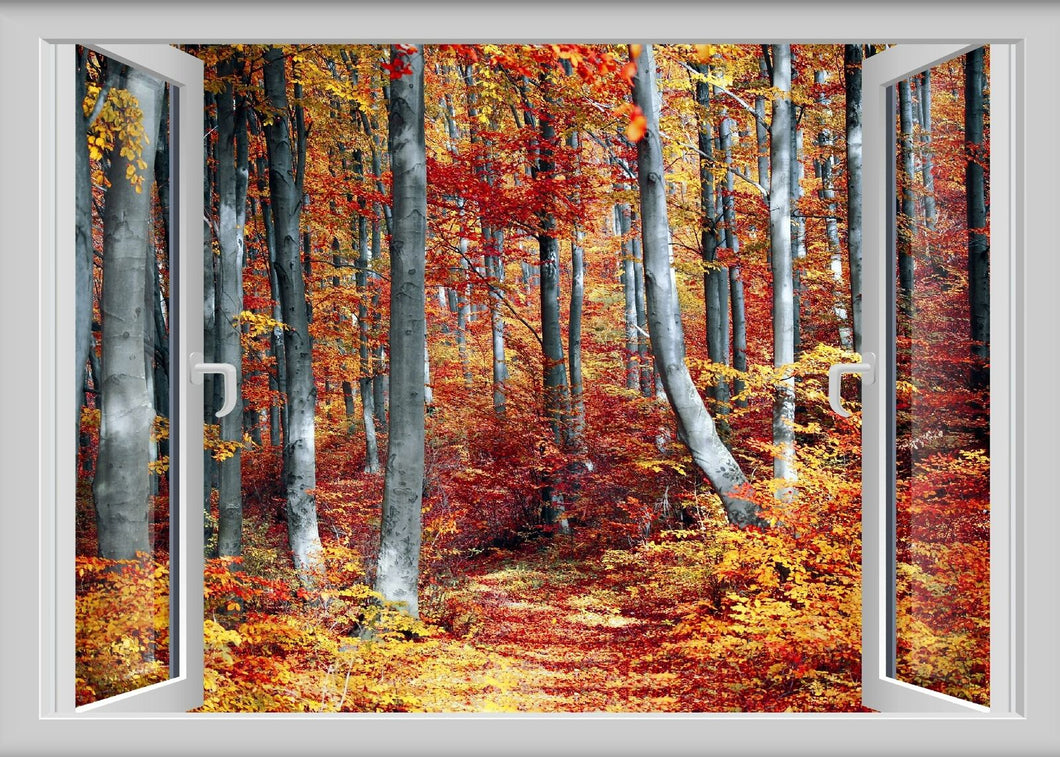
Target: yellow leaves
<point x="118" y="127"/>
<point x="216" y="636"/>
<point x="258" y="324"/>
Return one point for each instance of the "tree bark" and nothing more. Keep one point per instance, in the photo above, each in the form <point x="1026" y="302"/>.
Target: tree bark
<point x="694" y="424"/>
<point x="122" y="484"/>
<point x="977" y="159"/>
<point x="780" y="244"/>
<point x="825" y="171"/>
<point x="907" y="210"/>
<point x="397" y="574"/>
<point x="232" y="178"/>
<point x="852" y="59"/>
<point x="300" y="443"/>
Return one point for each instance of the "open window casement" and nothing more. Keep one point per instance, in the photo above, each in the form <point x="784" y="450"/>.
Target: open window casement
<point x="886" y="687"/>
<point x="169" y="85"/>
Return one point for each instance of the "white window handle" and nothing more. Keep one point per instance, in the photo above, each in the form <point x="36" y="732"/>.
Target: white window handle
<point x="835" y="380"/>
<point x="199" y="370"/>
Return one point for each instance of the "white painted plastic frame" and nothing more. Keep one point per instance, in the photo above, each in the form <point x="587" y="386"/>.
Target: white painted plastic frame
<point x="880" y="691"/>
<point x="29" y="724"/>
<point x="183" y="691"/>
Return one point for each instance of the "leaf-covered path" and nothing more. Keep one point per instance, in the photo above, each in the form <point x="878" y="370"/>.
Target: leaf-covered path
<point x="564" y="635"/>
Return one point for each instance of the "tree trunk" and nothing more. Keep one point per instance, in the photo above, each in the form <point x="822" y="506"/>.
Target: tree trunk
<point x="397" y="574"/>
<point x="232" y="178"/>
<point x="926" y="158"/>
<point x="715" y="276"/>
<point x="907" y="212"/>
<point x="852" y="58"/>
<point x="825" y="166"/>
<point x="577" y="300"/>
<point x="364" y="381"/>
<point x="122" y="484"/>
<point x="300" y="443"/>
<point x="629" y="293"/>
<point x="694" y="424"/>
<point x="780" y="161"/>
<point x="977" y="158"/>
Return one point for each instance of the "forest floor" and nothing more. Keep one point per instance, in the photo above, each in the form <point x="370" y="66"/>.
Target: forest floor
<point x="564" y="634"/>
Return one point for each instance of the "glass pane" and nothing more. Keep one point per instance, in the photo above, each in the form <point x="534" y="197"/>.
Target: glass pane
<point x="123" y="344"/>
<point x="941" y="506"/>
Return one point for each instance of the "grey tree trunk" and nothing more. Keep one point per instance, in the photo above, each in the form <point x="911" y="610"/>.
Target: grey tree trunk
<point x="300" y="443"/>
<point x="852" y="59"/>
<point x="577" y="301"/>
<point x="494" y="239"/>
<point x="739" y="332"/>
<point x="364" y="381"/>
<point x="715" y="276"/>
<point x="825" y="172"/>
<point x="122" y="484"/>
<point x="694" y="424"/>
<point x="926" y="157"/>
<point x="629" y="292"/>
<point x="780" y="162"/>
<point x="397" y="572"/>
<point x="907" y="211"/>
<point x="977" y="159"/>
<point x="232" y="178"/>
<point x="554" y="381"/>
<point x="644" y="362"/>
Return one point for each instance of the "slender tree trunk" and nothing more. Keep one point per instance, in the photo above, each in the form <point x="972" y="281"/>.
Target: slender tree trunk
<point x="907" y="213"/>
<point x="926" y="157"/>
<point x="739" y="332"/>
<point x="364" y="381"/>
<point x="495" y="265"/>
<point x="852" y="58"/>
<point x="122" y="484"/>
<point x="629" y="292"/>
<point x="209" y="328"/>
<point x="300" y="442"/>
<point x="715" y="276"/>
<point x="977" y="158"/>
<point x="232" y="178"/>
<point x="780" y="243"/>
<point x="577" y="300"/>
<point x="644" y="362"/>
<point x="825" y="166"/>
<point x="397" y="574"/>
<point x="694" y="424"/>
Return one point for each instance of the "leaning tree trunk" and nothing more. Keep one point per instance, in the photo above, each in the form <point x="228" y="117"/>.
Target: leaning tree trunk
<point x="978" y="239"/>
<point x="299" y="458"/>
<point x="232" y="178"/>
<point x="694" y="424"/>
<point x="780" y="154"/>
<point x="397" y="574"/>
<point x="122" y="485"/>
<point x="852" y="57"/>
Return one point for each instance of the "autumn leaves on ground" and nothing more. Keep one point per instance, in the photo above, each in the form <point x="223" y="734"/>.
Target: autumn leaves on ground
<point x="587" y="285"/>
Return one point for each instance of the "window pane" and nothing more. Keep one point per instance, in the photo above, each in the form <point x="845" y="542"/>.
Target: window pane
<point x="123" y="344"/>
<point x="940" y="565"/>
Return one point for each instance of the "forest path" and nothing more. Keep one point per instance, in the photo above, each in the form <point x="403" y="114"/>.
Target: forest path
<point x="563" y="634"/>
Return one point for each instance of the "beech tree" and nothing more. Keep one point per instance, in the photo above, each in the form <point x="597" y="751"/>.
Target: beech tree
<point x="780" y="248"/>
<point x="232" y="153"/>
<point x="695" y="427"/>
<point x="299" y="453"/>
<point x="397" y="571"/>
<point x="122" y="486"/>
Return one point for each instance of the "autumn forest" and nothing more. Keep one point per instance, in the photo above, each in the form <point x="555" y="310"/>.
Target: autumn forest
<point x="532" y="347"/>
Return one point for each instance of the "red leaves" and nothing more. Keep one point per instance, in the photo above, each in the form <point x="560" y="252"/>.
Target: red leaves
<point x="398" y="65"/>
<point x="637" y="126"/>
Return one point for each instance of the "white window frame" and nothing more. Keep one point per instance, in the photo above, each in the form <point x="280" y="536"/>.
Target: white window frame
<point x="29" y="723"/>
<point x="183" y="689"/>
